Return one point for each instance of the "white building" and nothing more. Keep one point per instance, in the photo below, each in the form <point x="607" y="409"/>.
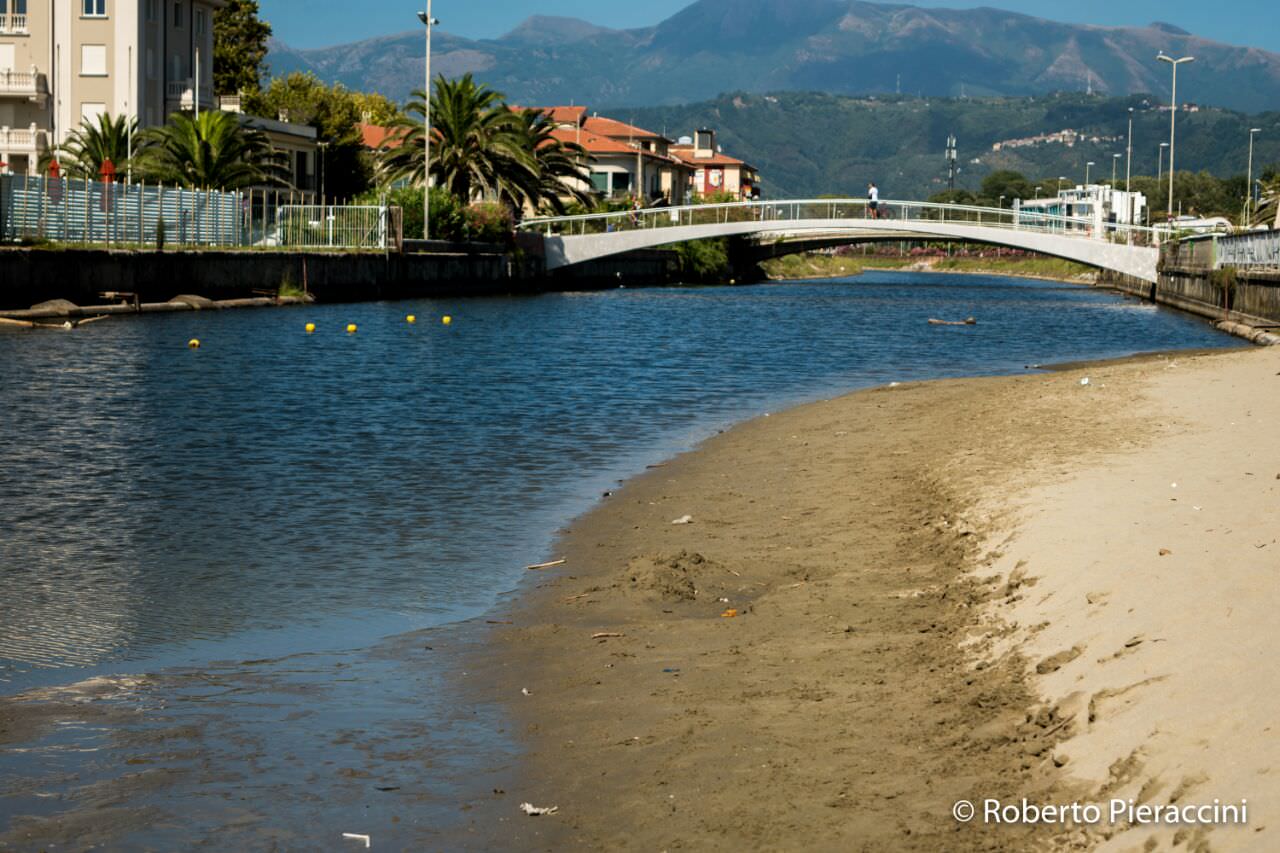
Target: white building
<point x="62" y="61"/>
<point x="1091" y="208"/>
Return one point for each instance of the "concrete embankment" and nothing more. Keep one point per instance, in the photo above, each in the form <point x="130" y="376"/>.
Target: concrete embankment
<point x="29" y="277"/>
<point x="1245" y="303"/>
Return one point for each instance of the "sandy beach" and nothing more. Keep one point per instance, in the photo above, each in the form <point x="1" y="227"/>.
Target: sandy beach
<point x="1030" y="587"/>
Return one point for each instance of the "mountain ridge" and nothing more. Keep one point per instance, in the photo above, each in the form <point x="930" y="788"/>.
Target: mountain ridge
<point x="837" y="46"/>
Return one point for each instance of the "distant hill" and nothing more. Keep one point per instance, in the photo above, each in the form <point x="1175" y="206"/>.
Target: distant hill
<point x="811" y="144"/>
<point x="834" y="46"/>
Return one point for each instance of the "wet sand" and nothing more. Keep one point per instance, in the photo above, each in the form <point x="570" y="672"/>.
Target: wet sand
<point x="899" y="599"/>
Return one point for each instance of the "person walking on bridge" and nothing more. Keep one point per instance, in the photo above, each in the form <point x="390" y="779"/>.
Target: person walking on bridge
<point x="873" y="200"/>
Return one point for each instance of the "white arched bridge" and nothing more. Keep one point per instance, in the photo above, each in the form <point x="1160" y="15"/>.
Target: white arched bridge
<point x="792" y="226"/>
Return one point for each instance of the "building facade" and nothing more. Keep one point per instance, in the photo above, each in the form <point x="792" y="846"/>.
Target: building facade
<point x="713" y="171"/>
<point x="64" y="61"/>
<point x="1090" y="208"/>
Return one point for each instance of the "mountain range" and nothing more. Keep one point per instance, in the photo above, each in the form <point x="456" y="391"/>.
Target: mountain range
<point x="832" y="46"/>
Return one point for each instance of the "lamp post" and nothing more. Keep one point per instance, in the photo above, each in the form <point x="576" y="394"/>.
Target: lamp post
<point x="1128" y="174"/>
<point x="428" y="22"/>
<point x="1248" y="186"/>
<point x="1173" y="117"/>
<point x="1115" y="161"/>
<point x="1087" y="167"/>
<point x="1061" y="178"/>
<point x="1160" y="168"/>
<point x="1002" y="202"/>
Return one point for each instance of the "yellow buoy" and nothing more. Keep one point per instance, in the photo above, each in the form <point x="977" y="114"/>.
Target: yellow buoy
<point x="446" y="319"/>
<point x="351" y="328"/>
<point x="311" y="327"/>
<point x="411" y="319"/>
<point x="194" y="343"/>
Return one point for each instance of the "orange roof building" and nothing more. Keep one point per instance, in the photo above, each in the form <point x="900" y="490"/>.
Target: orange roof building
<point x="715" y="171"/>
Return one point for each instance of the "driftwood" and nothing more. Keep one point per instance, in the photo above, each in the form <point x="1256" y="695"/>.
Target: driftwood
<point x="65" y="325"/>
<point x="550" y="565"/>
<point x="606" y="635"/>
<point x="966" y="322"/>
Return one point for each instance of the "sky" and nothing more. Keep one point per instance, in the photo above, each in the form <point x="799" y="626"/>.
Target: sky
<point x="320" y="23"/>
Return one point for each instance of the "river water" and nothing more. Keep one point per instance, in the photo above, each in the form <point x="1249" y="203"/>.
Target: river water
<point x="186" y="528"/>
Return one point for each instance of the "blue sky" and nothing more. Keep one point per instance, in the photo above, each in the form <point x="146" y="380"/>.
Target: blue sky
<point x="318" y="23"/>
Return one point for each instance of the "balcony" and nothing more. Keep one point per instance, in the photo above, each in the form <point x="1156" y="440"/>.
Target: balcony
<point x="23" y="140"/>
<point x="13" y="25"/>
<point x="31" y="85"/>
<point x="183" y="93"/>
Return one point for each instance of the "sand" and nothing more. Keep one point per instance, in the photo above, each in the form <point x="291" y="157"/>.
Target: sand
<point x="911" y="596"/>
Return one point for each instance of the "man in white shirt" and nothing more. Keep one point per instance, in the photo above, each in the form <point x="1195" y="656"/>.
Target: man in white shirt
<point x="873" y="203"/>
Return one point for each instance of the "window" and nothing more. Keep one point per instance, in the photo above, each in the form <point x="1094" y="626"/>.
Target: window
<point x="93" y="60"/>
<point x="6" y="55"/>
<point x="177" y="13"/>
<point x="89" y="111"/>
<point x="600" y="182"/>
<point x="94" y="8"/>
<point x="200" y="24"/>
<point x="153" y="10"/>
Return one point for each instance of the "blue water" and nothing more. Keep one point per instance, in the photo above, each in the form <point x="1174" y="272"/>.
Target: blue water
<point x="278" y="497"/>
<point x="272" y="488"/>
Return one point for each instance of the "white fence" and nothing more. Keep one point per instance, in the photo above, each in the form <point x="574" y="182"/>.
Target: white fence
<point x="1259" y="249"/>
<point x="64" y="210"/>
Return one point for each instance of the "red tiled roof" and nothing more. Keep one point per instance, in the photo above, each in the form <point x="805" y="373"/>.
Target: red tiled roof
<point x="374" y="135"/>
<point x="685" y="154"/>
<point x="618" y="129"/>
<point x="560" y="115"/>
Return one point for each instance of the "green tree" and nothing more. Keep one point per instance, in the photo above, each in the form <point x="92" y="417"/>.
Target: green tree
<point x="213" y="151"/>
<point x="478" y="144"/>
<point x="557" y="174"/>
<point x="1007" y="183"/>
<point x="334" y="111"/>
<point x="375" y="108"/>
<point x="239" y="47"/>
<point x="92" y="144"/>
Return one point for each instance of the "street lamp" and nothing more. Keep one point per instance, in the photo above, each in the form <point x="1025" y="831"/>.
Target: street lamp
<point x="1061" y="178"/>
<point x="428" y="22"/>
<point x="1248" y="186"/>
<point x="1088" y="166"/>
<point x="1173" y="117"/>
<point x="1160" y="168"/>
<point x="1128" y="174"/>
<point x="1115" y="160"/>
<point x="1002" y="202"/>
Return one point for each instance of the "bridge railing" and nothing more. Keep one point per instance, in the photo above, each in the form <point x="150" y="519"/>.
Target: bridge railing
<point x="844" y="210"/>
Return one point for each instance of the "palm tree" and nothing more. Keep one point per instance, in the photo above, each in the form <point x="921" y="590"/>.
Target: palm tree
<point x="210" y="151"/>
<point x="477" y="144"/>
<point x="558" y="168"/>
<point x="92" y="144"/>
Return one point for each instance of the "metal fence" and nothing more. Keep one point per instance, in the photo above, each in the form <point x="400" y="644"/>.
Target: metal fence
<point x="65" y="210"/>
<point x="314" y="226"/>
<point x="76" y="211"/>
<point x="1259" y="249"/>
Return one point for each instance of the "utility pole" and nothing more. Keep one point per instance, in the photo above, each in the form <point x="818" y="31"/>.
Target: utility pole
<point x="1248" y="187"/>
<point x="429" y="22"/>
<point x="1173" y="118"/>
<point x="951" y="162"/>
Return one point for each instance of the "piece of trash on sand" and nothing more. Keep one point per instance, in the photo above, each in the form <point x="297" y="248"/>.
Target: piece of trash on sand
<point x="354" y="837"/>
<point x="606" y="635"/>
<point x="729" y="614"/>
<point x="550" y="565"/>
<point x="1165" y="552"/>
<point x="1084" y="381"/>
<point x="684" y="519"/>
<point x="525" y="691"/>
<point x="537" y="811"/>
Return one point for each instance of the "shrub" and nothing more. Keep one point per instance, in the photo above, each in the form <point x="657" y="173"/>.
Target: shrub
<point x="704" y="260"/>
<point x="489" y="222"/>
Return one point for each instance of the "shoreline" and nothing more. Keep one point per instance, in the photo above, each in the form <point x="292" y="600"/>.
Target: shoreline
<point x="647" y="738"/>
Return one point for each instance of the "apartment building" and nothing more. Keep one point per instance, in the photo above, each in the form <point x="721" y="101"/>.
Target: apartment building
<point x="62" y="61"/>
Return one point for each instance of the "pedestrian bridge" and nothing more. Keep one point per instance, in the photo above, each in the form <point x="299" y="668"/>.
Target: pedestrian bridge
<point x="570" y="240"/>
